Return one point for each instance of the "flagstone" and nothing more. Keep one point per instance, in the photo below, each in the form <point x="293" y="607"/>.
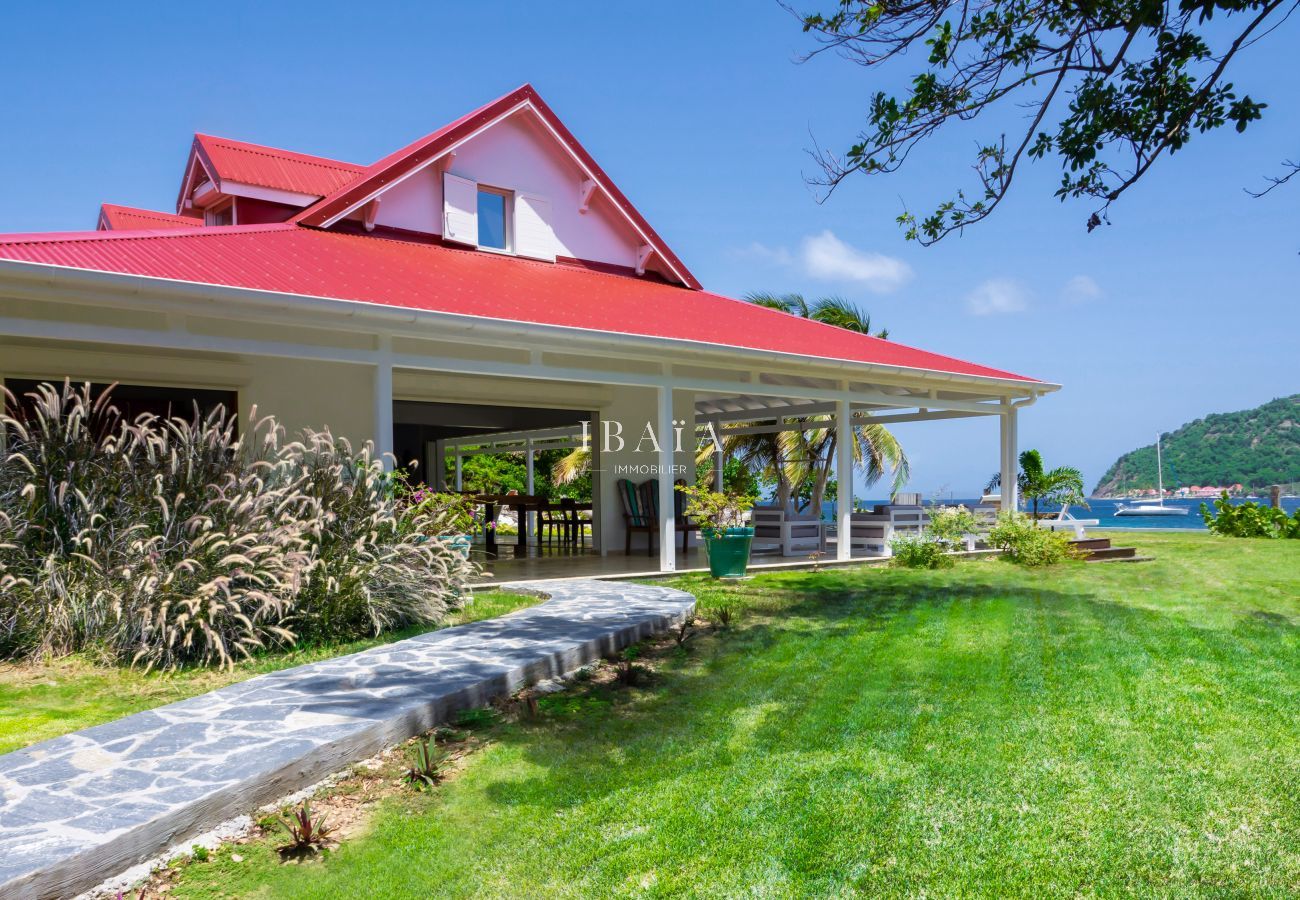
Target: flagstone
<point x="81" y="808"/>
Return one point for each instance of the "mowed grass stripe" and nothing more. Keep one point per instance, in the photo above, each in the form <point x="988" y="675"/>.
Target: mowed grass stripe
<point x="984" y="731"/>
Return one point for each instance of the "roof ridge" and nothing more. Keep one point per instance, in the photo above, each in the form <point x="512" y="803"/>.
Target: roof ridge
<point x="144" y="211"/>
<point x="268" y="150"/>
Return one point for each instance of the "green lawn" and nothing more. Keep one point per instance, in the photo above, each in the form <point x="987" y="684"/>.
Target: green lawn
<point x="40" y="701"/>
<point x="1088" y="730"/>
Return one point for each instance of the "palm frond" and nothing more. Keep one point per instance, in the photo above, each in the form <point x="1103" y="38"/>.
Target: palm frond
<point x="572" y="466"/>
<point x="795" y="304"/>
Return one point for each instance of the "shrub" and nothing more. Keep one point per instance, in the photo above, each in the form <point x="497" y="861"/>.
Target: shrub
<point x="952" y="523"/>
<point x="919" y="552"/>
<point x="628" y="672"/>
<point x="716" y="512"/>
<point x="1016" y="535"/>
<point x="171" y="542"/>
<point x="436" y="513"/>
<point x="1250" y="520"/>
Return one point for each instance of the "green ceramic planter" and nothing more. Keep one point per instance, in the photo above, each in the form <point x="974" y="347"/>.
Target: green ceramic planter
<point x="729" y="552"/>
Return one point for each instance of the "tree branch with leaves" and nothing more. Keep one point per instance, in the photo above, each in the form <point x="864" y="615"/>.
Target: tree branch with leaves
<point x="1108" y="87"/>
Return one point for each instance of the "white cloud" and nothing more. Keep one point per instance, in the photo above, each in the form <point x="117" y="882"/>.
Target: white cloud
<point x="778" y="255"/>
<point x="827" y="257"/>
<point x="1081" y="289"/>
<point x="997" y="296"/>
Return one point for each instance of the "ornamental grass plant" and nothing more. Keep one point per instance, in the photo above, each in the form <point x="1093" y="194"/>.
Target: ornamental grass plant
<point x="167" y="542"/>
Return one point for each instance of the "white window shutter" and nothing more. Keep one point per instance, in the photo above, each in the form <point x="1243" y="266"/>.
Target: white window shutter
<point x="459" y="209"/>
<point x="534" y="235"/>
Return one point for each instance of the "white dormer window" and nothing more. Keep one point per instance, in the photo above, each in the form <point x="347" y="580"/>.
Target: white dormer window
<point x="494" y="207"/>
<point x="496" y="219"/>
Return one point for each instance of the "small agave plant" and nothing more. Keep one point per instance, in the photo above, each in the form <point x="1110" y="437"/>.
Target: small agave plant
<point x="428" y="765"/>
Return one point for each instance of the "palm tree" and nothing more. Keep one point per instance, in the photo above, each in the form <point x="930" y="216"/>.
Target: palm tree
<point x="1064" y="484"/>
<point x="835" y="311"/>
<point x="811" y="457"/>
<point x="795" y="458"/>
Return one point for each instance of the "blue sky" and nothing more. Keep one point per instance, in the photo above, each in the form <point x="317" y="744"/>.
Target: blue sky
<point x="1187" y="304"/>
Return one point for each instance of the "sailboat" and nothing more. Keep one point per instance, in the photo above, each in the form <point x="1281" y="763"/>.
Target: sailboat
<point x="1158" y="508"/>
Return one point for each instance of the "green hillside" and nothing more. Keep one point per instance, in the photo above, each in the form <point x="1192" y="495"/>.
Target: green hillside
<point x="1255" y="447"/>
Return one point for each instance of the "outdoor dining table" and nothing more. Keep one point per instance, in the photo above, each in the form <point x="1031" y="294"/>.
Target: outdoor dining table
<point x="492" y="506"/>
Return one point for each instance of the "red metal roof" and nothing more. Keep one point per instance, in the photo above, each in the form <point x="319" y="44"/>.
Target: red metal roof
<point x="124" y="218"/>
<point x="399" y="163"/>
<point x="274" y="168"/>
<point x="424" y="275"/>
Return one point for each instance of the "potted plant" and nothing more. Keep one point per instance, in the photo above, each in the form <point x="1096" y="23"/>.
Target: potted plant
<point x="727" y="537"/>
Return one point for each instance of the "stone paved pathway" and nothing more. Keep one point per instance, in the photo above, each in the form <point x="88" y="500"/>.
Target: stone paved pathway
<point x="81" y="808"/>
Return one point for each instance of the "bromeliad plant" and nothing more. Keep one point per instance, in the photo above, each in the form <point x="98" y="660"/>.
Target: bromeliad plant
<point x="170" y="542"/>
<point x="307" y="833"/>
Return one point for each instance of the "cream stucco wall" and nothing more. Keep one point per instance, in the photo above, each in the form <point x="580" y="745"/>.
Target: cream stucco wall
<point x="299" y="393"/>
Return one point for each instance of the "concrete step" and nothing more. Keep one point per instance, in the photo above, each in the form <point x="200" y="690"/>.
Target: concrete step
<point x="1111" y="553"/>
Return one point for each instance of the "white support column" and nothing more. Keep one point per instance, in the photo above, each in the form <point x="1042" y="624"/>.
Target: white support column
<point x="384" y="404"/>
<point x="528" y="486"/>
<point x="460" y="478"/>
<point x="1013" y="461"/>
<point x="667" y="521"/>
<point x="844" y="479"/>
<point x="719" y="465"/>
<point x="1008" y="468"/>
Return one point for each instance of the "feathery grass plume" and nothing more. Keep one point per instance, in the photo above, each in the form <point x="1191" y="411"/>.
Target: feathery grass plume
<point x="170" y="542"/>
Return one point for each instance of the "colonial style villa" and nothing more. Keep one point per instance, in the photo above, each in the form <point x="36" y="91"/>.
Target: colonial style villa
<point x="485" y="287"/>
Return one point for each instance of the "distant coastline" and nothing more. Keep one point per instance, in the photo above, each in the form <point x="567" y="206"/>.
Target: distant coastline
<point x="1244" y="452"/>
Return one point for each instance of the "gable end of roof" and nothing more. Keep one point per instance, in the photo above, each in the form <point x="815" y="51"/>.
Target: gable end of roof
<point x="421" y="152"/>
<point x="114" y="217"/>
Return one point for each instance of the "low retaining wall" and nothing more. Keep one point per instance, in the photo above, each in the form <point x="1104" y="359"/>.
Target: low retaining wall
<point x="83" y="807"/>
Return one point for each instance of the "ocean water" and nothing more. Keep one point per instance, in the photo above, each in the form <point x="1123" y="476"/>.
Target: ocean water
<point x="1104" y="512"/>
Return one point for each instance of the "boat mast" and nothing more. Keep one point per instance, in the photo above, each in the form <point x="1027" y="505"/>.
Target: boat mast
<point x="1160" y="475"/>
